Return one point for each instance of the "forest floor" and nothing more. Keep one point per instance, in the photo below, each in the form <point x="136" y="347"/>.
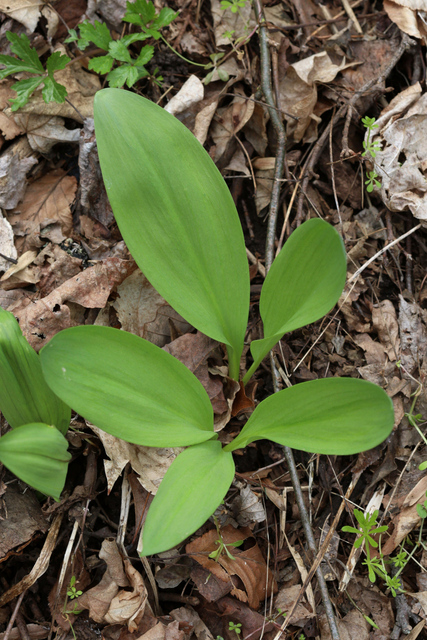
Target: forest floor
<point x="71" y="569"/>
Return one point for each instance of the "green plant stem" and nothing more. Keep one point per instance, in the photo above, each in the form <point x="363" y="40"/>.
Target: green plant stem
<point x="269" y="257"/>
<point x="196" y="64"/>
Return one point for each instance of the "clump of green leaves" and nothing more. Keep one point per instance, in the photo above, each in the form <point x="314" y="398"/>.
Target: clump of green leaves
<point x="376" y="565"/>
<point x="127" y="68"/>
<point x="371" y="148"/>
<point x="215" y="65"/>
<point x="27" y="61"/>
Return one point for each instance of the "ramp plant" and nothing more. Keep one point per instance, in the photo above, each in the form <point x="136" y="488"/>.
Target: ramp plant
<point x="180" y="223"/>
<point x="35" y="449"/>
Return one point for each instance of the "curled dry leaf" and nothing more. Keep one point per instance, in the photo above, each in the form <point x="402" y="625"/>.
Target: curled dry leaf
<point x="385" y="323"/>
<point x="43" y="132"/>
<point x="121" y="596"/>
<point x="413" y="335"/>
<point x="149" y="463"/>
<point x="191" y="92"/>
<point x="27" y="12"/>
<point x="143" y="311"/>
<point x="229" y="121"/>
<point x="407" y="15"/>
<point x="21" y="274"/>
<point x="23" y="518"/>
<point x="401" y="161"/>
<point x="284" y="601"/>
<point x="7" y="247"/>
<point x="248" y="564"/>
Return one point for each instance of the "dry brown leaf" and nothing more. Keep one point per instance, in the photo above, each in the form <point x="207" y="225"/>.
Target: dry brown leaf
<point x="193" y="350"/>
<point x="143" y="311"/>
<point x="284" y="601"/>
<point x="413" y="335"/>
<point x="407" y="518"/>
<point x="401" y="162"/>
<point x="149" y="463"/>
<point x="46" y="201"/>
<point x="352" y="626"/>
<point x="191" y="92"/>
<point x="21" y="274"/>
<point x="249" y="564"/>
<point x="15" y="163"/>
<point x="247" y="507"/>
<point x="7" y="247"/>
<point x="121" y="596"/>
<point x="23" y="517"/>
<point x="192" y="619"/>
<point x="228" y="121"/>
<point x="27" y="12"/>
<point x="41" y="320"/>
<point x="43" y="132"/>
<point x="384" y="321"/>
<point x="405" y="15"/>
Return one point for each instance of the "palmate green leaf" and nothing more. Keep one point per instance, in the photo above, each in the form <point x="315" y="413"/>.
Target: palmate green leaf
<point x="125" y="74"/>
<point x="98" y="33"/>
<point x="24" y="395"/>
<point x="176" y="215"/>
<point x="37" y="454"/>
<point x="102" y="64"/>
<point x="119" y="51"/>
<point x="53" y="91"/>
<point x="193" y="487"/>
<point x="21" y="47"/>
<point x="332" y="416"/>
<point x="304" y="283"/>
<point x="128" y="387"/>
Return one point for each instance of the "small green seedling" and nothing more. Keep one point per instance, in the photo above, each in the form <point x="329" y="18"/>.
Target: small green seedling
<point x="72" y="592"/>
<point x="236" y="627"/>
<point x="233" y="5"/>
<point x="215" y="66"/>
<point x="371" y="148"/>
<point x="28" y="61"/>
<point x="180" y="223"/>
<point x="222" y="546"/>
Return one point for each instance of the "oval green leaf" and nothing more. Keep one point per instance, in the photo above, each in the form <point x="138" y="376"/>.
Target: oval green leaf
<point x="304" y="283"/>
<point x="338" y="416"/>
<point x="175" y="214"/>
<point x="128" y="387"/>
<point x="193" y="487"/>
<point x="37" y="454"/>
<point x="24" y="395"/>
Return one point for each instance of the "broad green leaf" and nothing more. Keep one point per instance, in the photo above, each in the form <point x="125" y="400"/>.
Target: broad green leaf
<point x="193" y="487"/>
<point x="24" y="89"/>
<point x="304" y="283"/>
<point x="53" y="91"/>
<point x="175" y="214"/>
<point x="21" y="47"/>
<point x="128" y="387"/>
<point x="98" y="33"/>
<point x="135" y="37"/>
<point x="37" y="454"/>
<point x="333" y="416"/>
<point x="24" y="394"/>
<point x="102" y="64"/>
<point x="56" y="62"/>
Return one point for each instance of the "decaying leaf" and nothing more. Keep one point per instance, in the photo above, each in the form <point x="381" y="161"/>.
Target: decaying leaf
<point x="27" y="12"/>
<point x="407" y="15"/>
<point x="402" y="159"/>
<point x="143" y="311"/>
<point x="15" y="163"/>
<point x="191" y="92"/>
<point x="7" y="247"/>
<point x="22" y="517"/>
<point x="284" y="601"/>
<point x="248" y="564"/>
<point x="43" y="132"/>
<point x="149" y="463"/>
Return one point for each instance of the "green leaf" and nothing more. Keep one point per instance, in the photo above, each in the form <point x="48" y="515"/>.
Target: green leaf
<point x="24" y="89"/>
<point x="73" y="37"/>
<point x="305" y="282"/>
<point x="332" y="416"/>
<point x="176" y="215"/>
<point x="20" y="46"/>
<point x="126" y="74"/>
<point x="101" y="65"/>
<point x="98" y="33"/>
<point x="53" y="91"/>
<point x="24" y="394"/>
<point x="165" y="17"/>
<point x="56" y="62"/>
<point x="145" y="55"/>
<point x="128" y="387"/>
<point x="193" y="487"/>
<point x="37" y="454"/>
<point x="118" y="50"/>
<point x="134" y="37"/>
<point x="139" y="12"/>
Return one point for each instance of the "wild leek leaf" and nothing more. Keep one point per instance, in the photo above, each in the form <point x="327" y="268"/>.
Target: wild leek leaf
<point x="24" y="395"/>
<point x="337" y="416"/>
<point x="37" y="454"/>
<point x="191" y="490"/>
<point x="128" y="387"/>
<point x="175" y="214"/>
<point x="305" y="281"/>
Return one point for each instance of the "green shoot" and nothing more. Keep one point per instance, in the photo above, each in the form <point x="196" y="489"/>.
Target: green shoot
<point x="371" y="149"/>
<point x="222" y="546"/>
<point x="28" y="61"/>
<point x="72" y="592"/>
<point x="236" y="627"/>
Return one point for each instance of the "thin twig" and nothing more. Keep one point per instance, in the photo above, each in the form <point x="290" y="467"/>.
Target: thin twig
<point x="269" y="257"/>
